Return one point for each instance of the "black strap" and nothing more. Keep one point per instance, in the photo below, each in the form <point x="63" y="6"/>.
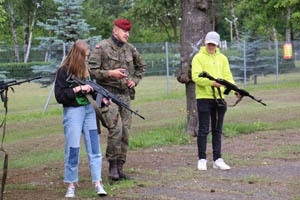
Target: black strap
<point x="221" y="101"/>
<point x="3" y="126"/>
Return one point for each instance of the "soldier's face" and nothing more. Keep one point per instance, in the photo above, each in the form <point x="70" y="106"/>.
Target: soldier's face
<point x="121" y="35"/>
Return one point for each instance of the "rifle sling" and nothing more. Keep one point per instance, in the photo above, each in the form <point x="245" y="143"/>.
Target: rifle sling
<point x="221" y="102"/>
<point x="3" y="126"/>
<point x="97" y="110"/>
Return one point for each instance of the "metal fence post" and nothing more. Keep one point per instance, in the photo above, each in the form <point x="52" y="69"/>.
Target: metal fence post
<point x="167" y="66"/>
<point x="277" y="70"/>
<point x="53" y="85"/>
<point x="245" y="65"/>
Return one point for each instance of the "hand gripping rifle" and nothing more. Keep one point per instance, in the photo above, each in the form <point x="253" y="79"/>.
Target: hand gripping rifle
<point x="4" y="87"/>
<point x="229" y="86"/>
<point x="101" y="93"/>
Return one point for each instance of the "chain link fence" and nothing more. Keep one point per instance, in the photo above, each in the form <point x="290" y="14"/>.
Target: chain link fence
<point x="248" y="60"/>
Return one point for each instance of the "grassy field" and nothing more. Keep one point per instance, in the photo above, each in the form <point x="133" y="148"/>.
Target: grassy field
<point x="165" y="117"/>
<point x="35" y="140"/>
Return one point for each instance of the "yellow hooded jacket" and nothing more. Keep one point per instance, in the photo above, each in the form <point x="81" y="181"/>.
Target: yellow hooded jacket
<point x="216" y="65"/>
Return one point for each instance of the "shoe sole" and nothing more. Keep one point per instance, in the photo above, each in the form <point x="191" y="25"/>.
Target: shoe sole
<point x="215" y="167"/>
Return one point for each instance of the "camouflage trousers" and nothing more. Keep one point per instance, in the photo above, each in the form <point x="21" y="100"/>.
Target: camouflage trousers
<point x="117" y="120"/>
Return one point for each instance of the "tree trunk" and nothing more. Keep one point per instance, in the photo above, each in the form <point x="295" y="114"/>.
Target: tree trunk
<point x="46" y="56"/>
<point x="288" y="28"/>
<point x="30" y="37"/>
<point x="194" y="25"/>
<point x="275" y="33"/>
<point x="14" y="32"/>
<point x="234" y="22"/>
<point x="26" y="30"/>
<point x="269" y="36"/>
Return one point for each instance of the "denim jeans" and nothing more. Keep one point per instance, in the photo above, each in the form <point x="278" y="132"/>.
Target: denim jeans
<point x="208" y="109"/>
<point x="77" y="121"/>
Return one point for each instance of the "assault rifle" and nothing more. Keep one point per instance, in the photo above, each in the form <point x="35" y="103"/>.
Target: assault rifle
<point x="6" y="85"/>
<point x="101" y="93"/>
<point x="229" y="86"/>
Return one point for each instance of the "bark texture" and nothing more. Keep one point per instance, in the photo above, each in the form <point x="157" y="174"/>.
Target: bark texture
<point x="14" y="31"/>
<point x="194" y="25"/>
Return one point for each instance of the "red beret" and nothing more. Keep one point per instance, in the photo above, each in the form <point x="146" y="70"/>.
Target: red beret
<point x="123" y="24"/>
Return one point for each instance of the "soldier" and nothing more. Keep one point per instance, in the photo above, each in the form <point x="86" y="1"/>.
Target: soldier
<point x="112" y="63"/>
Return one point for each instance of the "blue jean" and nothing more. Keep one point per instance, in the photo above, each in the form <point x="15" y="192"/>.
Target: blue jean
<point x="79" y="120"/>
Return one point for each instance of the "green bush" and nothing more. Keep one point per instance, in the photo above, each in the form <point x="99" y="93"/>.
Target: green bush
<point x="29" y="64"/>
<point x="19" y="70"/>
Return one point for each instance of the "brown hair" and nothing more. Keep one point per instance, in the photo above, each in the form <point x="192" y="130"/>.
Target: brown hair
<point x="75" y="60"/>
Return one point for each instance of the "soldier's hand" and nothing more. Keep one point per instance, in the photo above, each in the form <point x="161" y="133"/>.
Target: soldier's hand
<point x="106" y="102"/>
<point x="237" y="95"/>
<point x="215" y="84"/>
<point x="117" y="73"/>
<point x="131" y="84"/>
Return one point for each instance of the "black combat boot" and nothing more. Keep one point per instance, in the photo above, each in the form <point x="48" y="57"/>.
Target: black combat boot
<point x="113" y="171"/>
<point x="122" y="174"/>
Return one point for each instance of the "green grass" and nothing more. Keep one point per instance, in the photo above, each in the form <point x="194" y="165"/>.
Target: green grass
<point x="165" y="118"/>
<point x="283" y="152"/>
<point x="160" y="137"/>
<point x="21" y="187"/>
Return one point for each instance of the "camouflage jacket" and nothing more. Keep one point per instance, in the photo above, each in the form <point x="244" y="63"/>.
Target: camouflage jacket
<point x="107" y="56"/>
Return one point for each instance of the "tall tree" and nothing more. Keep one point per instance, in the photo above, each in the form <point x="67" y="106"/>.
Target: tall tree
<point x="234" y="21"/>
<point x="163" y="14"/>
<point x="194" y="25"/>
<point x="68" y="26"/>
<point x="101" y="15"/>
<point x="28" y="40"/>
<point x="291" y="9"/>
<point x="14" y="29"/>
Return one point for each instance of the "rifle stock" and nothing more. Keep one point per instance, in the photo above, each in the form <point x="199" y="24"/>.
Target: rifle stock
<point x="101" y="93"/>
<point x="229" y="86"/>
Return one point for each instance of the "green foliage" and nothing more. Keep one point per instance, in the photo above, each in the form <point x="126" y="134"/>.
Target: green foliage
<point x="101" y="15"/>
<point x="19" y="70"/>
<point x="68" y="27"/>
<point x="4" y="66"/>
<point x="161" y="14"/>
<point x="2" y="13"/>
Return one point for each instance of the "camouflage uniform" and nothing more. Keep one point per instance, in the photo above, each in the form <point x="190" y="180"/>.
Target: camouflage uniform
<point x="108" y="56"/>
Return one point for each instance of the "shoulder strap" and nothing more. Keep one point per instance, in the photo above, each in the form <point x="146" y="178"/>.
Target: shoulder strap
<point x="97" y="110"/>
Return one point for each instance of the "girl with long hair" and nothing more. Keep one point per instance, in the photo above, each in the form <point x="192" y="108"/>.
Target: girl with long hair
<point x="79" y="118"/>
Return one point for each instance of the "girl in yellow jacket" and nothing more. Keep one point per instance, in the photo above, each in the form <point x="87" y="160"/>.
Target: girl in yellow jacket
<point x="210" y="104"/>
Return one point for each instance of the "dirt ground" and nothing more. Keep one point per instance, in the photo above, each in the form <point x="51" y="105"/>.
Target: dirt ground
<point x="265" y="165"/>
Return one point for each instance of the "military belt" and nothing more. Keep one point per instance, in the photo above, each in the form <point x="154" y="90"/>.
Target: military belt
<point x="116" y="91"/>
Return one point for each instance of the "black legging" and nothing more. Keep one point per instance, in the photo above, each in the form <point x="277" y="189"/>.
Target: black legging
<point x="208" y="110"/>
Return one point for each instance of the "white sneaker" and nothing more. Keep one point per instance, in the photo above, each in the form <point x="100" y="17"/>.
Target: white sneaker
<point x="100" y="190"/>
<point x="220" y="164"/>
<point x="202" y="164"/>
<point x="70" y="193"/>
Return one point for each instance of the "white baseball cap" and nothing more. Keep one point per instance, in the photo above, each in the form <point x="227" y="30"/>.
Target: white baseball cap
<point x="212" y="37"/>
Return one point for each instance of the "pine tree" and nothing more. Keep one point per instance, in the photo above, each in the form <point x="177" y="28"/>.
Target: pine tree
<point x="63" y="30"/>
<point x="68" y="26"/>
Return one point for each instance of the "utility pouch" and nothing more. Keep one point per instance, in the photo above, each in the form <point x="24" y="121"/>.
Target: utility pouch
<point x="131" y="93"/>
<point x="109" y="116"/>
